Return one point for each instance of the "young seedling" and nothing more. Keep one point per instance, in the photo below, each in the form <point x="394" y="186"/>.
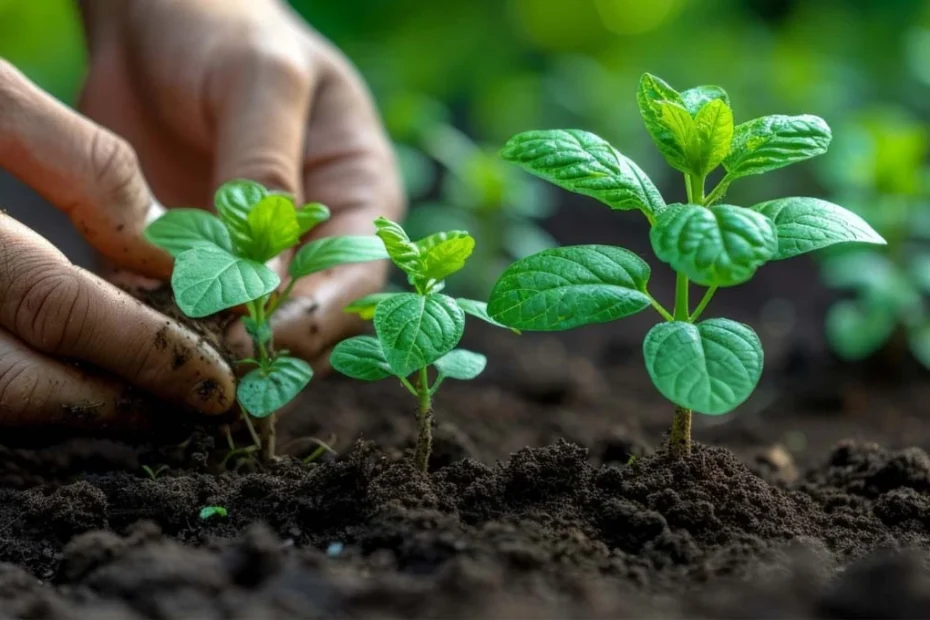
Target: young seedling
<point x="153" y="474"/>
<point x="209" y="512"/>
<point x="419" y="329"/>
<point x="708" y="366"/>
<point x="220" y="263"/>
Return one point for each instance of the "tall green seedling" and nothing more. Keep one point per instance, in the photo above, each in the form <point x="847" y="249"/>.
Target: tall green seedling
<point x="220" y="263"/>
<point x="417" y="329"/>
<point x="709" y="366"/>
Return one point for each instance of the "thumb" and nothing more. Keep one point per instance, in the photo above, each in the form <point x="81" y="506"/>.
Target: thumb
<point x="82" y="169"/>
<point x="262" y="104"/>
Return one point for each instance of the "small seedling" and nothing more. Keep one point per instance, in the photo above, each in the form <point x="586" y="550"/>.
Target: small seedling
<point x="209" y="512"/>
<point x="220" y="263"/>
<point x="154" y="473"/>
<point x="708" y="366"/>
<point x="418" y="329"/>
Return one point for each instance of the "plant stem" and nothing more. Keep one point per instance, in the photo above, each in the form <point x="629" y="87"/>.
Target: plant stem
<point x="708" y="295"/>
<point x="718" y="192"/>
<point x="269" y="436"/>
<point x="424" y="422"/>
<point x="679" y="439"/>
<point x="681" y="297"/>
<point x="248" y="423"/>
<point x="660" y="308"/>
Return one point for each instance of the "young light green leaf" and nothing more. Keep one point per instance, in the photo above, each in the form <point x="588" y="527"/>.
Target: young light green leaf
<point x="333" y="251"/>
<point x="461" y="364"/>
<point x="666" y="119"/>
<point x="713" y="130"/>
<point x="208" y="512"/>
<point x="479" y="310"/>
<point x="696" y="98"/>
<point x="273" y="228"/>
<point x="430" y="241"/>
<point x="582" y="162"/>
<point x="311" y="214"/>
<point x="365" y="307"/>
<point x="710" y="367"/>
<point x="566" y="287"/>
<point x="234" y="200"/>
<point x="402" y="251"/>
<point x="416" y="330"/>
<point x="856" y="331"/>
<point x="721" y="245"/>
<point x="265" y="390"/>
<point x="179" y="230"/>
<point x="208" y="279"/>
<point x="808" y="224"/>
<point x="771" y="142"/>
<point x="361" y="358"/>
<point x="447" y="257"/>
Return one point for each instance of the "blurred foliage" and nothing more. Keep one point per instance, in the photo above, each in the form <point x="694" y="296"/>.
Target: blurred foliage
<point x="498" y="67"/>
<point x="880" y="170"/>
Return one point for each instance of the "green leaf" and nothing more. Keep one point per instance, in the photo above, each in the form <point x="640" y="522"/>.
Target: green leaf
<point x="273" y="228"/>
<point x="479" y="310"/>
<point x="710" y="367"/>
<point x="361" y="358"/>
<point x="416" y="330"/>
<point x="233" y="201"/>
<point x="771" y="142"/>
<point x="208" y="512"/>
<point x="855" y="331"/>
<point x="333" y="251"/>
<point x="431" y="241"/>
<point x="265" y="390"/>
<point x="258" y="332"/>
<point x="696" y="98"/>
<point x="446" y="257"/>
<point x="461" y="364"/>
<point x="402" y="251"/>
<point x="208" y="279"/>
<point x="807" y="224"/>
<point x="179" y="230"/>
<point x="365" y="307"/>
<point x="713" y="128"/>
<point x="311" y="214"/>
<point x="666" y="118"/>
<point x="567" y="287"/>
<point x="582" y="162"/>
<point x="721" y="245"/>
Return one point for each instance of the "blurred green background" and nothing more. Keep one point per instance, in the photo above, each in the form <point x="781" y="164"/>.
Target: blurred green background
<point x="456" y="79"/>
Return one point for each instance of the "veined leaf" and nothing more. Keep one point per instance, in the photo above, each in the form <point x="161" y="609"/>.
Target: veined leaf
<point x="583" y="163"/>
<point x="208" y="279"/>
<point x="179" y="230"/>
<point x="666" y="119"/>
<point x="361" y="358"/>
<point x="273" y="228"/>
<point x="330" y="252"/>
<point x="479" y="310"/>
<point x="721" y="245"/>
<point x="807" y="224"/>
<point x="566" y="287"/>
<point x="446" y="257"/>
<point x="710" y="367"/>
<point x="416" y="330"/>
<point x="402" y="251"/>
<point x="311" y="214"/>
<point x="265" y="390"/>
<point x="430" y="241"/>
<point x="365" y="306"/>
<point x="461" y="364"/>
<point x="697" y="97"/>
<point x="713" y="134"/>
<point x="771" y="142"/>
<point x="233" y="201"/>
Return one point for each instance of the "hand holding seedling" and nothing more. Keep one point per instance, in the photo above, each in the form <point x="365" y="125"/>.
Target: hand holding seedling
<point x="209" y="91"/>
<point x="709" y="366"/>
<point x="418" y="329"/>
<point x="52" y="311"/>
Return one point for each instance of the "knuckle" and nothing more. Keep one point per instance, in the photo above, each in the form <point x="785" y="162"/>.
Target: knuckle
<point x="51" y="311"/>
<point x="274" y="169"/>
<point x="279" y="61"/>
<point x="115" y="168"/>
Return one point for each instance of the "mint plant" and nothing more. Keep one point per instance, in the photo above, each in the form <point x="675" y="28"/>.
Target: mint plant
<point x="418" y="329"/>
<point x="708" y="366"/>
<point x="220" y="263"/>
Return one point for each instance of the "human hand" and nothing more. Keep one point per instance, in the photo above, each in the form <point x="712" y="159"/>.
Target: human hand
<point x="52" y="311"/>
<point x="211" y="91"/>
